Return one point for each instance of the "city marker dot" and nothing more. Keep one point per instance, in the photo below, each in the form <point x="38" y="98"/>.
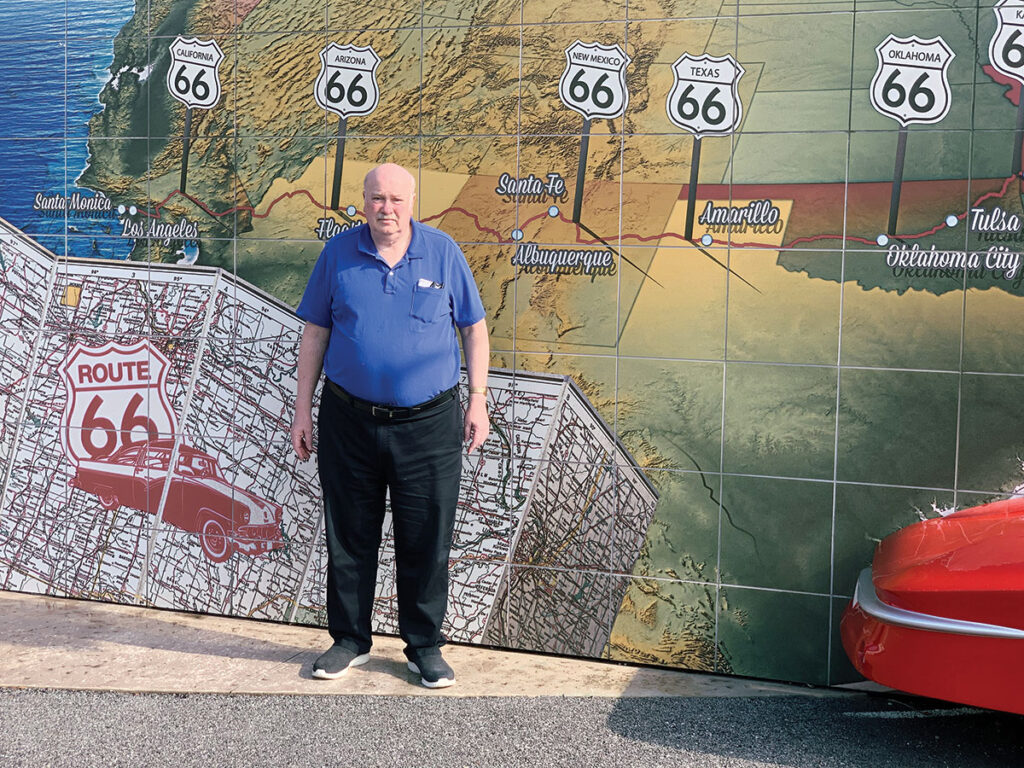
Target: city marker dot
<point x="553" y="211"/>
<point x="351" y="210"/>
<point x="706" y="240"/>
<point x="952" y="220"/>
<point x="882" y="239"/>
<point x="517" y="234"/>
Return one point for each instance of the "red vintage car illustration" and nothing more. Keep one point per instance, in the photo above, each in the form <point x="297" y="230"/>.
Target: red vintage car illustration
<point x="199" y="498"/>
<point x="940" y="612"/>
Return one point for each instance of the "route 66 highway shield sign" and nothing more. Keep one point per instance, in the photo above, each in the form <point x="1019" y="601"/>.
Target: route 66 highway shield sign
<point x="347" y="83"/>
<point x="116" y="396"/>
<point x="705" y="98"/>
<point x="193" y="77"/>
<point x="911" y="84"/>
<point x="594" y="80"/>
<point x="1006" y="49"/>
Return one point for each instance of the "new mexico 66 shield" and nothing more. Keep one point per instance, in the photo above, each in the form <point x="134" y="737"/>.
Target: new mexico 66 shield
<point x="705" y="99"/>
<point x="1006" y="49"/>
<point x="911" y="84"/>
<point x="347" y="83"/>
<point x="594" y="80"/>
<point x="193" y="77"/>
<point x="116" y="396"/>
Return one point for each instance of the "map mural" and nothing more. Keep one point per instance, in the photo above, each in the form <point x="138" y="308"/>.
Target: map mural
<point x="752" y="273"/>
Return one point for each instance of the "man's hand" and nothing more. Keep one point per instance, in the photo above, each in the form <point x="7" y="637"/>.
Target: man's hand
<point x="302" y="433"/>
<point x="478" y="426"/>
<point x="477" y="348"/>
<point x="311" y="360"/>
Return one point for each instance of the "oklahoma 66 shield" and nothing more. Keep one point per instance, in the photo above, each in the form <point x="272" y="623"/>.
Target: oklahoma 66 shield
<point x="347" y="83"/>
<point x="705" y="98"/>
<point x="594" y="80"/>
<point x="116" y="396"/>
<point x="1006" y="49"/>
<point x="911" y="84"/>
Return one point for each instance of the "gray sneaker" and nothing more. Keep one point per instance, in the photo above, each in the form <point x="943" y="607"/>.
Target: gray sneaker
<point x="336" y="661"/>
<point x="433" y="670"/>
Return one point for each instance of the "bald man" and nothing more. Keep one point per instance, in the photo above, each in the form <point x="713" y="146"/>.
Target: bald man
<point x="384" y="308"/>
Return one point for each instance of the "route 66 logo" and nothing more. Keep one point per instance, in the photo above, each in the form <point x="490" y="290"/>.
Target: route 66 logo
<point x="705" y="99"/>
<point x="1006" y="49"/>
<point x="193" y="77"/>
<point x="347" y="83"/>
<point x="911" y="84"/>
<point x="594" y="80"/>
<point x="116" y="396"/>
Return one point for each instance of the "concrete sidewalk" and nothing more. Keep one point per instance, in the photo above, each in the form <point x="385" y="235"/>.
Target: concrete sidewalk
<point x="86" y="685"/>
<point x="48" y="642"/>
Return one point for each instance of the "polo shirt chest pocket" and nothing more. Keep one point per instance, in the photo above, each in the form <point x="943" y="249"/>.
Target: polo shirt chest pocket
<point x="429" y="305"/>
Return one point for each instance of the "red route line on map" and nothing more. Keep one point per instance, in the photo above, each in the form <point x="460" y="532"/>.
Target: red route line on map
<point x="631" y="236"/>
<point x="960" y="217"/>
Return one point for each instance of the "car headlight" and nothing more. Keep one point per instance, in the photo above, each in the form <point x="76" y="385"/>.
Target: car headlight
<point x="259" y="514"/>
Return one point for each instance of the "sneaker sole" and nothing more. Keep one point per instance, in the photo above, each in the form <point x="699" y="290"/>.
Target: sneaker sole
<point x="358" y="661"/>
<point x="442" y="682"/>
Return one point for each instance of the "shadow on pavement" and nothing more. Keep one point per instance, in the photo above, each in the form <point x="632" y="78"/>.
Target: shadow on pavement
<point x="830" y="730"/>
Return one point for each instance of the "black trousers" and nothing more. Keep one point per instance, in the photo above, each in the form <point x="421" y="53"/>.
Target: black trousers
<point x="419" y="460"/>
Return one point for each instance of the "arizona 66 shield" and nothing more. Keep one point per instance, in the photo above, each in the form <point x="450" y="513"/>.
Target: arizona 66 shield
<point x="347" y="83"/>
<point x="594" y="80"/>
<point x="1006" y="49"/>
<point x="705" y="98"/>
<point x="911" y="84"/>
<point x="116" y="396"/>
<point x="193" y="77"/>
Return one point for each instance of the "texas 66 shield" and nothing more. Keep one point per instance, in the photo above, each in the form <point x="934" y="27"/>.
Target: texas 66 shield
<point x="116" y="396"/>
<point x="705" y="99"/>
<point x="911" y="84"/>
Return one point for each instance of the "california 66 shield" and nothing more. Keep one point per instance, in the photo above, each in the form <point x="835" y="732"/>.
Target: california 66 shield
<point x="193" y="77"/>
<point x="705" y="99"/>
<point x="911" y="84"/>
<point x="116" y="396"/>
<point x="594" y="80"/>
<point x="347" y="83"/>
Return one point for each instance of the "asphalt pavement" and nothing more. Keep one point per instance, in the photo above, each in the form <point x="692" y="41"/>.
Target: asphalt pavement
<point x="90" y="684"/>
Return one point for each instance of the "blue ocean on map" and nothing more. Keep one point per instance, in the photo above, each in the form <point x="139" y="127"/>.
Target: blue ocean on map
<point x="54" y="58"/>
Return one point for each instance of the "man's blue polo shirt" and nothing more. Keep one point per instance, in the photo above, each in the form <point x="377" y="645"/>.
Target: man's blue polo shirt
<point x="393" y="339"/>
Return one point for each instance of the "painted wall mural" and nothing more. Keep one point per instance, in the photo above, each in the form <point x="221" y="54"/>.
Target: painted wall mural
<point x="752" y="271"/>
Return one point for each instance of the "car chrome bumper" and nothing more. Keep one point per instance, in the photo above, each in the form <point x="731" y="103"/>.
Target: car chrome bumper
<point x="866" y="598"/>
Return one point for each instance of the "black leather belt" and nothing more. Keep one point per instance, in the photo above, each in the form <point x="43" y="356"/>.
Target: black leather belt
<point x="392" y="411"/>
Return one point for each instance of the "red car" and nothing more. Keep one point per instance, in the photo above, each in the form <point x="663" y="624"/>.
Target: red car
<point x="940" y="612"/>
<point x="199" y="499"/>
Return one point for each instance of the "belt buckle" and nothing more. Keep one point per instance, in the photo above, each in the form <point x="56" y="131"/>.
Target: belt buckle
<point x="384" y="411"/>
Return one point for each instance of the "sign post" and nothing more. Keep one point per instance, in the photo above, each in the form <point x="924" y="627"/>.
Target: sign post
<point x="1006" y="53"/>
<point x="593" y="84"/>
<point x="193" y="78"/>
<point x="704" y="101"/>
<point x="911" y="85"/>
<point x="346" y="86"/>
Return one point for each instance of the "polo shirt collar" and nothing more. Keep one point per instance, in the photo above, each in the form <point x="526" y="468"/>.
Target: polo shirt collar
<point x="414" y="251"/>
